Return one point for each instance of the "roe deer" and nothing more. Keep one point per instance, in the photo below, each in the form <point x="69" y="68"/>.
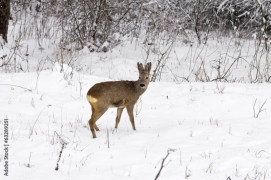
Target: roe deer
<point x="119" y="94"/>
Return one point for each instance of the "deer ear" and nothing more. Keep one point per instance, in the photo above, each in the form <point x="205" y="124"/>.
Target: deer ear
<point x="140" y="67"/>
<point x="148" y="67"/>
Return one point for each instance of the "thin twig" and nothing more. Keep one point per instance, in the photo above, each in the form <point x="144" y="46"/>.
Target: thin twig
<point x="254" y="111"/>
<point x="16" y="86"/>
<point x="60" y="153"/>
<point x="162" y="164"/>
<point x="63" y="142"/>
<point x="107" y="135"/>
<point x="259" y="110"/>
<point x="32" y="129"/>
<point x="28" y="165"/>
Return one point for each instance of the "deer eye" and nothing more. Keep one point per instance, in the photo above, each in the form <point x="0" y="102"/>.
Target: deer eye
<point x="147" y="77"/>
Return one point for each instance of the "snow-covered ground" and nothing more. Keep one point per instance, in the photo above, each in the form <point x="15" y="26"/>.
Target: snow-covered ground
<point x="210" y="127"/>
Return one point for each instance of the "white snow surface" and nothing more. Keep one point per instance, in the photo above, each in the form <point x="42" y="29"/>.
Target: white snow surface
<point x="212" y="131"/>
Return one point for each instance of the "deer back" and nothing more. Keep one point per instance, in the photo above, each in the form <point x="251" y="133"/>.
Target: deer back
<point x="115" y="93"/>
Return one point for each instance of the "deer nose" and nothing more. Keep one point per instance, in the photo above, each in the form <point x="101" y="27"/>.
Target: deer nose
<point x="142" y="85"/>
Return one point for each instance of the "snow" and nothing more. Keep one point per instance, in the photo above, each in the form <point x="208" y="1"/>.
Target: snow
<point x="210" y="126"/>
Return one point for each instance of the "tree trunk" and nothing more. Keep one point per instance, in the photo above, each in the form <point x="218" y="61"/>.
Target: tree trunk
<point x="4" y="17"/>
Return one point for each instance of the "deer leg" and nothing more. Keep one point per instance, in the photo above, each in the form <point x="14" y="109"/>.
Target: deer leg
<point x="96" y="127"/>
<point x="119" y="112"/>
<point x="130" y="109"/>
<point x="96" y="114"/>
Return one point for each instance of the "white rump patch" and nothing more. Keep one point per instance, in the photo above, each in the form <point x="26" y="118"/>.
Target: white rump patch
<point x="92" y="99"/>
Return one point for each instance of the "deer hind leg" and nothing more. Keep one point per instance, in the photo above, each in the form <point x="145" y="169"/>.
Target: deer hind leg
<point x="119" y="112"/>
<point x="96" y="114"/>
<point x="95" y="126"/>
<point x="130" y="109"/>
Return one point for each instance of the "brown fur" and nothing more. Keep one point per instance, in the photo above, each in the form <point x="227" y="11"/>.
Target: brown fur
<point x="119" y="94"/>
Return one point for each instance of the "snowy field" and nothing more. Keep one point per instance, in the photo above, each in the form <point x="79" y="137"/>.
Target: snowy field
<point x="210" y="130"/>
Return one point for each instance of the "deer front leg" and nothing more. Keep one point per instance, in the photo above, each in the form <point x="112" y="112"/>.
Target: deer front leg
<point x="130" y="110"/>
<point x="119" y="112"/>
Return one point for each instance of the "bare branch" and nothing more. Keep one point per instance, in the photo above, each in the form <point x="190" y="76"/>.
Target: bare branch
<point x="256" y="113"/>
<point x="163" y="162"/>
